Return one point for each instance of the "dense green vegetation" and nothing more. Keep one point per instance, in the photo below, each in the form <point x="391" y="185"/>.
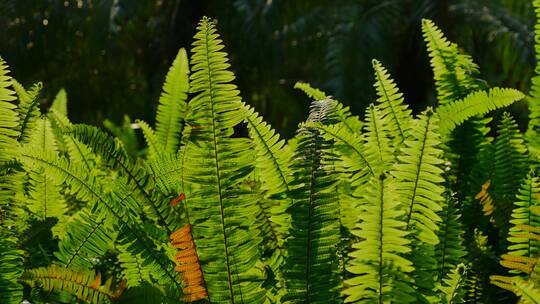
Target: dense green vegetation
<point x="439" y="207"/>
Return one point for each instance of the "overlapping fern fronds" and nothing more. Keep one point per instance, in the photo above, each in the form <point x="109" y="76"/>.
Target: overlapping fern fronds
<point x="372" y="211"/>
<point x="381" y="272"/>
<point x="311" y="268"/>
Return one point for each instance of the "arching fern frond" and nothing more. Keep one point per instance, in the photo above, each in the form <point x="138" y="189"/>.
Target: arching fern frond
<point x="272" y="158"/>
<point x="118" y="204"/>
<point x="87" y="236"/>
<point x="310" y="91"/>
<point x="85" y="285"/>
<point x="135" y="174"/>
<point x="272" y="163"/>
<point x="454" y="113"/>
<point x="28" y="108"/>
<point x="380" y="269"/>
<point x="351" y="147"/>
<point x="155" y="147"/>
<point x="172" y="103"/>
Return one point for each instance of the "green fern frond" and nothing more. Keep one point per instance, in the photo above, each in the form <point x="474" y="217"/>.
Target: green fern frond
<point x="528" y="291"/>
<point x="533" y="129"/>
<point x="87" y="236"/>
<point x="124" y="134"/>
<point x="166" y="171"/>
<point x="356" y="170"/>
<point x="509" y="168"/>
<point x="59" y="103"/>
<point x="118" y="205"/>
<point x="419" y="178"/>
<point x="135" y="269"/>
<point x="452" y="287"/>
<point x="155" y="148"/>
<point x="135" y="176"/>
<point x="378" y="147"/>
<point x="474" y="289"/>
<point x="44" y="197"/>
<point x="456" y="75"/>
<point x="453" y="114"/>
<point x="220" y="213"/>
<point x="311" y="268"/>
<point x="11" y="268"/>
<point x="80" y="153"/>
<point x="272" y="163"/>
<point x="272" y="159"/>
<point x="351" y="147"/>
<point x="28" y="108"/>
<point x="450" y="250"/>
<point x="172" y="103"/>
<point x="9" y="119"/>
<point x="85" y="285"/>
<point x="311" y="92"/>
<point x="525" y="223"/>
<point x="381" y="272"/>
<point x="391" y="104"/>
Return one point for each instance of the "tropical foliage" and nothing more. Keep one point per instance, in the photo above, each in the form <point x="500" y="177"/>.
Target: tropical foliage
<point x="217" y="208"/>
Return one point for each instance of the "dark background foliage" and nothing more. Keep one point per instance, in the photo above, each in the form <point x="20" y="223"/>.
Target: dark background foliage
<point x="112" y="55"/>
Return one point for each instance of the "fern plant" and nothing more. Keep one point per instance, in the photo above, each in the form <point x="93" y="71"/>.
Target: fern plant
<point x="350" y="210"/>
